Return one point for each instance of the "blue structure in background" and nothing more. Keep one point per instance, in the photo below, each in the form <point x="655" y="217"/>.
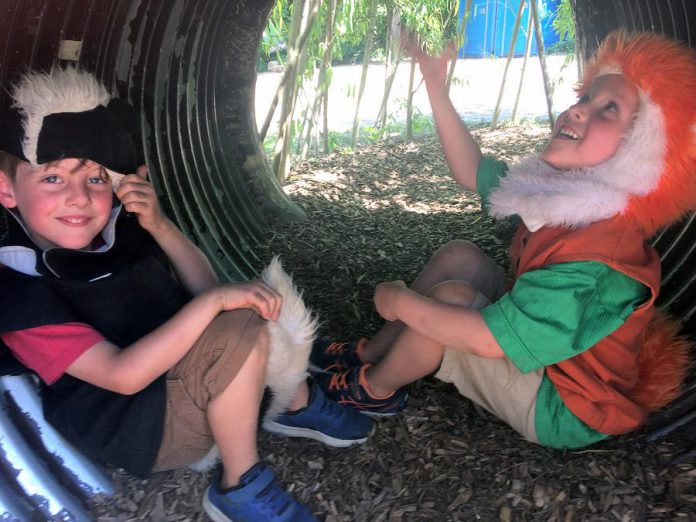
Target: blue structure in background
<point x="489" y="30"/>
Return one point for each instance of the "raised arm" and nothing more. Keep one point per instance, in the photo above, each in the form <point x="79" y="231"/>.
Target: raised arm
<point x="192" y="267"/>
<point x="461" y="151"/>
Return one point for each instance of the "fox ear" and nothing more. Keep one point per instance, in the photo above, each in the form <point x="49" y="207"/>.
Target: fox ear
<point x="7" y="197"/>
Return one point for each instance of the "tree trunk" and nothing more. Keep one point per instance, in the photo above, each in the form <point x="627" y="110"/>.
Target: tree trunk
<point x="322" y="85"/>
<point x="409" y="100"/>
<point x="461" y="32"/>
<point x="391" y="66"/>
<point x="304" y="38"/>
<point x="527" y="51"/>
<point x="372" y="19"/>
<point x="304" y="14"/>
<point x="511" y="53"/>
<point x="542" y="61"/>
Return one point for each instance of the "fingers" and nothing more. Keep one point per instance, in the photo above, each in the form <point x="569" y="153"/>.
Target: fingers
<point x="136" y="193"/>
<point x="142" y="172"/>
<point x="256" y="295"/>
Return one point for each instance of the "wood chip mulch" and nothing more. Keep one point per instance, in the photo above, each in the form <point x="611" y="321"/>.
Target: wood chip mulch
<point x="376" y="214"/>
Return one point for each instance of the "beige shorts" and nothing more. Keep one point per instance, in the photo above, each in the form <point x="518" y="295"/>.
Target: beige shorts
<point x="204" y="372"/>
<point x="494" y="384"/>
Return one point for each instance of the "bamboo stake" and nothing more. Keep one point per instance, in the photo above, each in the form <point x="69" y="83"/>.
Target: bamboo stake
<point x="511" y="52"/>
<point x="460" y="38"/>
<point x="527" y="52"/>
<point x="372" y="18"/>
<point x="281" y="153"/>
<point x="391" y="66"/>
<point x="409" y="100"/>
<point x="289" y="66"/>
<point x="542" y="61"/>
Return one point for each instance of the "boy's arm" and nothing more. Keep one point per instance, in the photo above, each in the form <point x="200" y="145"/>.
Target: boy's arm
<point x="455" y="327"/>
<point x="192" y="267"/>
<point x="131" y="369"/>
<point x="461" y="150"/>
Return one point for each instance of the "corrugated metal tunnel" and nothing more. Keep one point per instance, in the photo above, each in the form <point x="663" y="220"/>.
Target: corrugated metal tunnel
<point x="188" y="67"/>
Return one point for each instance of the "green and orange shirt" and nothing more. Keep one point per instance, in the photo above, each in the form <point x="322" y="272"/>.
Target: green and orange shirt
<point x="580" y="301"/>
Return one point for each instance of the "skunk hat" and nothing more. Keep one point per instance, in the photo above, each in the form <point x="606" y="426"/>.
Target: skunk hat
<point x="657" y="160"/>
<point x="67" y="113"/>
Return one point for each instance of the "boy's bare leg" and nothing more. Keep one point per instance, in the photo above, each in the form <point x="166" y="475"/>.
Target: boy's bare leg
<point x="234" y="414"/>
<point x="413" y="356"/>
<point x="456" y="261"/>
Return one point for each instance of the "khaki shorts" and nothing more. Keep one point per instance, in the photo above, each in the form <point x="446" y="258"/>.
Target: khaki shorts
<point x="494" y="384"/>
<point x="205" y="371"/>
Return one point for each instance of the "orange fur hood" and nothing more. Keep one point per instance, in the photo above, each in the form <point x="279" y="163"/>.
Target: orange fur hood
<point x="664" y="71"/>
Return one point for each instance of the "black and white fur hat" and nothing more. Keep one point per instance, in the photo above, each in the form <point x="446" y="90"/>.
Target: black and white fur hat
<point x="68" y="113"/>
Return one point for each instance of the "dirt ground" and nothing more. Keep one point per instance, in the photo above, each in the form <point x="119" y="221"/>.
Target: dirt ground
<point x="373" y="215"/>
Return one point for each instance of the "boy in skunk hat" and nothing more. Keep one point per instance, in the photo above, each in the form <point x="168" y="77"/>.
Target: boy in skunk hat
<point x="146" y="359"/>
<point x="572" y="349"/>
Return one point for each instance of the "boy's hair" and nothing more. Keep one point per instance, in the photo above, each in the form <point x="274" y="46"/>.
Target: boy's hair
<point x="9" y="164"/>
<point x="664" y="72"/>
<point x="68" y="113"/>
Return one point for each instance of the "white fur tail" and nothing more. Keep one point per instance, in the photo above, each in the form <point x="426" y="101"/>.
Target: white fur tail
<point x="291" y="339"/>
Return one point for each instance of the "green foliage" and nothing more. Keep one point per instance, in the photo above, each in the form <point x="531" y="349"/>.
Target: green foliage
<point x="274" y="36"/>
<point x="432" y="23"/>
<point x="563" y="22"/>
<point x="566" y="47"/>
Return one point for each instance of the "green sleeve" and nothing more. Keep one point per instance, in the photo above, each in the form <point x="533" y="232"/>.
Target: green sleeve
<point x="488" y="176"/>
<point x="557" y="312"/>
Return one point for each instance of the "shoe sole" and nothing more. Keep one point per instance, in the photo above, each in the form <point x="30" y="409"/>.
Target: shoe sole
<point x="286" y="431"/>
<point x="212" y="511"/>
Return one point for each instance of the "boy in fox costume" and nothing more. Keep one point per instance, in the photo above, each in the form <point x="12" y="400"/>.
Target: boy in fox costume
<point x="572" y="350"/>
<point x="146" y="359"/>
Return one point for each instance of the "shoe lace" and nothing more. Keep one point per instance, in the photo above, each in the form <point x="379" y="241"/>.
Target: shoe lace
<point x="339" y="381"/>
<point x="336" y="348"/>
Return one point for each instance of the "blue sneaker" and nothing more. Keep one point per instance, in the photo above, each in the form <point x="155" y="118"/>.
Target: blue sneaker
<point x="258" y="498"/>
<point x="350" y="388"/>
<point x="322" y="420"/>
<point x="335" y="356"/>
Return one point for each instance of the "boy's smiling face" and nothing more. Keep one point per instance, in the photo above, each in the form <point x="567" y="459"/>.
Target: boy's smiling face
<point x="591" y="131"/>
<point x="64" y="204"/>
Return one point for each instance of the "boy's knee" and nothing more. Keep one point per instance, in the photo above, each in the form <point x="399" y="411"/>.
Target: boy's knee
<point x="456" y="254"/>
<point x="454" y="292"/>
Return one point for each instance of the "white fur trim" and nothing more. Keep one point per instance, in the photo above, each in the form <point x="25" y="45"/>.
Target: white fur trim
<point x="38" y="95"/>
<point x="542" y="195"/>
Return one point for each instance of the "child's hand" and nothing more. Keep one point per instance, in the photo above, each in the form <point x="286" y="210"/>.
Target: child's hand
<point x="433" y="69"/>
<point x="256" y="295"/>
<point x="138" y="196"/>
<point x="386" y="295"/>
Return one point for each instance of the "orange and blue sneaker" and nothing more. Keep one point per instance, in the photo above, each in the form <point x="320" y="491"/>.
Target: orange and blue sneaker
<point x="351" y="388"/>
<point x="335" y="356"/>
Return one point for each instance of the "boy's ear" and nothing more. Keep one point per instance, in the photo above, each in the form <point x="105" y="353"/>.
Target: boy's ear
<point x="7" y="197"/>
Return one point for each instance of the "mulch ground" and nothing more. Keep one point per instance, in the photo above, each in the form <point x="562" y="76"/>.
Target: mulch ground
<point x="376" y="214"/>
